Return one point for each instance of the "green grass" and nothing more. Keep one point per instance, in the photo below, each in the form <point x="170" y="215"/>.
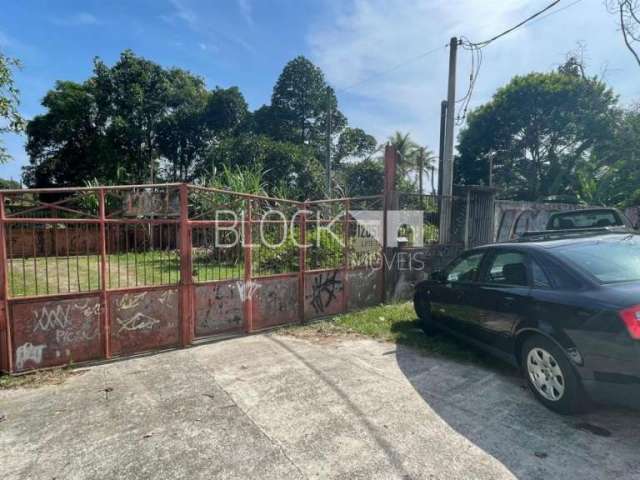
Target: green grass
<point x="51" y="275"/>
<point x="396" y="323"/>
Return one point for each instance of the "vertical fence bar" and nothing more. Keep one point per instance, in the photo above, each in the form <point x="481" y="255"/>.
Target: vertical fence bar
<point x="466" y="219"/>
<point x="345" y="257"/>
<point x="5" y="320"/>
<point x="302" y="260"/>
<point x="247" y="237"/>
<point x="104" y="299"/>
<point x="186" y="278"/>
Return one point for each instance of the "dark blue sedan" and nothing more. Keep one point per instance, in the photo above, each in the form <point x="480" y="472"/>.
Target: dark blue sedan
<point x="566" y="311"/>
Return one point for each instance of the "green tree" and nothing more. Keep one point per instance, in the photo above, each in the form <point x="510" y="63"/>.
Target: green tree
<point x="537" y="131"/>
<point x="285" y="167"/>
<point x="407" y="152"/>
<point x="303" y="105"/>
<point x="613" y="176"/>
<point x="9" y="184"/>
<point x="134" y="94"/>
<point x="425" y="162"/>
<point x="354" y="143"/>
<point x="362" y="178"/>
<point x="67" y="145"/>
<point x="10" y="118"/>
<point x="182" y="134"/>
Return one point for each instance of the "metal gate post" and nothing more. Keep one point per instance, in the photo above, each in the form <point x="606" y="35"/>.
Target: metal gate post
<point x="104" y="277"/>
<point x="302" y="259"/>
<point x="345" y="260"/>
<point x="5" y="320"/>
<point x="186" y="271"/>
<point x="249" y="289"/>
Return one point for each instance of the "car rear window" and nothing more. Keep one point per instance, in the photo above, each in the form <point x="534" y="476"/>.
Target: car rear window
<point x="605" y="218"/>
<point x="609" y="261"/>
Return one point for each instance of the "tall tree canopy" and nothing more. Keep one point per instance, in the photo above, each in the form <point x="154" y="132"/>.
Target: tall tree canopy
<point x="10" y="118"/>
<point x="304" y="107"/>
<point x="132" y="122"/>
<point x="136" y="121"/>
<point x="538" y="131"/>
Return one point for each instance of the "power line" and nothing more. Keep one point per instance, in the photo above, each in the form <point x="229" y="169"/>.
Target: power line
<point x="392" y="69"/>
<point x="476" y="52"/>
<point x="515" y="27"/>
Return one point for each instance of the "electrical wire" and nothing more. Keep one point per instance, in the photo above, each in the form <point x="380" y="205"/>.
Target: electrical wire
<point x="515" y="27"/>
<point x="394" y="68"/>
<point x="476" y="53"/>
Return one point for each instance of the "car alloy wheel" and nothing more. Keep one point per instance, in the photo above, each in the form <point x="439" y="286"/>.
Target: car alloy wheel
<point x="545" y="374"/>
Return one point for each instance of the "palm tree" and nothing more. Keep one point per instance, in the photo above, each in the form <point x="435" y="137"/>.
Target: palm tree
<point x="407" y="150"/>
<point x="412" y="157"/>
<point x="425" y="162"/>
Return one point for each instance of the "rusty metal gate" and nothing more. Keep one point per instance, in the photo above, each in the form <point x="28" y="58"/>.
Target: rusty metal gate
<point x="95" y="273"/>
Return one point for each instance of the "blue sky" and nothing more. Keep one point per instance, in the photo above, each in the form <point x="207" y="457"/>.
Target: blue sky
<point x="247" y="42"/>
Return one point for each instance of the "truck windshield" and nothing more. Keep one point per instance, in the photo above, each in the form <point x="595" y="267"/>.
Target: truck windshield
<point x="609" y="260"/>
<point x="586" y="219"/>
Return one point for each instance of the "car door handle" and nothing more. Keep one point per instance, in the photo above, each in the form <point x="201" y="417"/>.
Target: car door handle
<point x="509" y="298"/>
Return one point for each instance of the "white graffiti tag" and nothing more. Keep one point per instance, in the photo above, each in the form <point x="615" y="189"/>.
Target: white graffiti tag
<point x="165" y="298"/>
<point x="129" y="301"/>
<point x="53" y="319"/>
<point x="139" y="321"/>
<point x="246" y="290"/>
<point x="28" y="352"/>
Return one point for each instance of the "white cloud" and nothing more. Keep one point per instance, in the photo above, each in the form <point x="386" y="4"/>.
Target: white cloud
<point x="246" y="10"/>
<point x="200" y="22"/>
<point x="77" y="19"/>
<point x="183" y="12"/>
<point x="360" y="38"/>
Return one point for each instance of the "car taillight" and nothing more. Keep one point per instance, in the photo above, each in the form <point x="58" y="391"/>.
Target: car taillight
<point x="631" y="318"/>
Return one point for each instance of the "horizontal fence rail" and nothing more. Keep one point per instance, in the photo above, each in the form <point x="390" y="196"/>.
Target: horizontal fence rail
<point x="99" y="272"/>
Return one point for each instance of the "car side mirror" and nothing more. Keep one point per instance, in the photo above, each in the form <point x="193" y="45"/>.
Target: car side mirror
<point x="438" y="276"/>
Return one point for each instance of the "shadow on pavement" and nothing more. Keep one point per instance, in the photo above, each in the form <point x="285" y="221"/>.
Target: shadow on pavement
<point x="491" y="406"/>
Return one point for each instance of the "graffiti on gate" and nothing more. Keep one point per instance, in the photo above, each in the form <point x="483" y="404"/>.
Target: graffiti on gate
<point x="325" y="288"/>
<point x="247" y="289"/>
<point x="59" y="319"/>
<point x="139" y="321"/>
<point x="29" y="353"/>
<point x="219" y="307"/>
<point x="144" y="320"/>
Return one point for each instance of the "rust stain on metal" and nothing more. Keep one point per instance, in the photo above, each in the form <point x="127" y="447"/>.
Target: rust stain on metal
<point x="275" y="302"/>
<point x="56" y="332"/>
<point x="143" y="320"/>
<point x="219" y="307"/>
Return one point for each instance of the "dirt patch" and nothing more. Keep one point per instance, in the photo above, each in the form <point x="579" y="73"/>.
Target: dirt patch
<point x="323" y="333"/>
<point x="40" y="378"/>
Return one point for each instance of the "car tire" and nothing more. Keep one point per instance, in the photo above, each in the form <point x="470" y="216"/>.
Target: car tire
<point x="423" y="310"/>
<point x="551" y="376"/>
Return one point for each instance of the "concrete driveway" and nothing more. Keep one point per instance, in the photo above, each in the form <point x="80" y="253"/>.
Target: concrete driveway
<point x="272" y="406"/>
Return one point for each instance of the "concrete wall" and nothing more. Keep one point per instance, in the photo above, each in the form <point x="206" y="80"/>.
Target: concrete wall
<point x="412" y="265"/>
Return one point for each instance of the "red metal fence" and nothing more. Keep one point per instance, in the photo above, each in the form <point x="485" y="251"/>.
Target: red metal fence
<point x="96" y="273"/>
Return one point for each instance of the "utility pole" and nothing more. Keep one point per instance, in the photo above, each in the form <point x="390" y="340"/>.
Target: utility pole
<point x="420" y="169"/>
<point x="443" y="124"/>
<point x="329" y="144"/>
<point x="421" y="155"/>
<point x="447" y="161"/>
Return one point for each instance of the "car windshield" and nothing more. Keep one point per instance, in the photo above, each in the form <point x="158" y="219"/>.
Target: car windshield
<point x="585" y="219"/>
<point x="609" y="261"/>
